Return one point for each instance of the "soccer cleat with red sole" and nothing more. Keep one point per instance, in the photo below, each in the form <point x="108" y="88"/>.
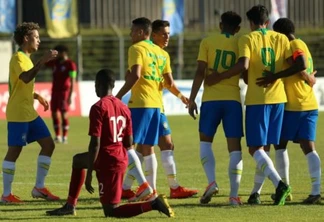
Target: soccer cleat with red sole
<point x="11" y="199"/>
<point x="211" y="190"/>
<point x="182" y="192"/>
<point x="43" y="193"/>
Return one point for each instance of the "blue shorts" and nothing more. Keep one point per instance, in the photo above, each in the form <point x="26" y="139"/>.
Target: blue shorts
<point x="145" y="123"/>
<point x="229" y="112"/>
<point x="299" y="125"/>
<point x="263" y="124"/>
<point x="164" y="128"/>
<point x="21" y="133"/>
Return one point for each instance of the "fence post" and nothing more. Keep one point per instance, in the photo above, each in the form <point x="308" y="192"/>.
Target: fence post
<point x="79" y="57"/>
<point x="121" y="50"/>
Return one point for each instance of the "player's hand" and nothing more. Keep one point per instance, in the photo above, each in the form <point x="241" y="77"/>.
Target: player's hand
<point x="213" y="78"/>
<point x="193" y="111"/>
<point x="185" y="100"/>
<point x="266" y="80"/>
<point x="49" y="55"/>
<point x="312" y="79"/>
<point x="43" y="102"/>
<point x="88" y="182"/>
<point x="69" y="101"/>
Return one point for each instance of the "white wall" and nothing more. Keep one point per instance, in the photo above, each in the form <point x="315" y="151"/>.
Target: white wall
<point x="173" y="105"/>
<point x="5" y="55"/>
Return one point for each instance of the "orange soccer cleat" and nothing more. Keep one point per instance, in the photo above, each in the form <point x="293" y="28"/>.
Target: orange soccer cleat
<point x="11" y="199"/>
<point x="182" y="192"/>
<point x="128" y="194"/>
<point x="43" y="193"/>
<point x="142" y="193"/>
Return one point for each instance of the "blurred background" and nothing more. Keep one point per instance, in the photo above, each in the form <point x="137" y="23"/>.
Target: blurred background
<point x="99" y="29"/>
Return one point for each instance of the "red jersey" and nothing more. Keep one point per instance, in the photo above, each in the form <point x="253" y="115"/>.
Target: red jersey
<point x="61" y="74"/>
<point x="110" y="119"/>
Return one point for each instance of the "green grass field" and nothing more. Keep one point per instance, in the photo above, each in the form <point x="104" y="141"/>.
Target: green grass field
<point x="190" y="174"/>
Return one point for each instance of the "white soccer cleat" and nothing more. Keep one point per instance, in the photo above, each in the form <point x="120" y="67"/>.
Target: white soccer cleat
<point x="211" y="190"/>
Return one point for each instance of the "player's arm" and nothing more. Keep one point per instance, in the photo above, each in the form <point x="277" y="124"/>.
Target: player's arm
<point x="130" y="80"/>
<point x="72" y="75"/>
<point x="198" y="79"/>
<point x="42" y="101"/>
<point x="93" y="154"/>
<point x="241" y="66"/>
<point x="298" y="65"/>
<point x="29" y="75"/>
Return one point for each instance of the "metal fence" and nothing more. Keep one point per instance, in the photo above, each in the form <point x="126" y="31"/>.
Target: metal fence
<point x="200" y="15"/>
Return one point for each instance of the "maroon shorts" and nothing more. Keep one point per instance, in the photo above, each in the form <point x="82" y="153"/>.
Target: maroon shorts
<point x="59" y="101"/>
<point x="110" y="186"/>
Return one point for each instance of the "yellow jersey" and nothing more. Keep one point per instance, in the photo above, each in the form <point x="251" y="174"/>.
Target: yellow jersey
<point x="220" y="52"/>
<point x="20" y="107"/>
<point x="266" y="50"/>
<point x="146" y="93"/>
<point x="300" y="95"/>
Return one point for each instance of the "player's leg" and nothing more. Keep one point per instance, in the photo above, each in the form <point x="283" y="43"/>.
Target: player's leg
<point x="16" y="140"/>
<point x="233" y="128"/>
<point x="306" y="139"/>
<point x="263" y="126"/>
<point x="110" y="184"/>
<point x="210" y="117"/>
<point x="39" y="132"/>
<point x="65" y="120"/>
<point x="167" y="156"/>
<point x="79" y="166"/>
<point x="146" y="140"/>
<point x="139" y="118"/>
<point x="55" y="117"/>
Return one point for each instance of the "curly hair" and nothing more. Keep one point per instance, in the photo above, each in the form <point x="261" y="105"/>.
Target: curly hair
<point x="24" y="29"/>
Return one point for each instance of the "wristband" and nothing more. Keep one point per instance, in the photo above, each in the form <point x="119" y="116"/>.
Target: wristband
<point x="179" y="95"/>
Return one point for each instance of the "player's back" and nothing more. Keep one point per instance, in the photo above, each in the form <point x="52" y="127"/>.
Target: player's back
<point x="21" y="99"/>
<point x="115" y="120"/>
<point x="300" y="95"/>
<point x="266" y="50"/>
<point x="145" y="93"/>
<point x="220" y="52"/>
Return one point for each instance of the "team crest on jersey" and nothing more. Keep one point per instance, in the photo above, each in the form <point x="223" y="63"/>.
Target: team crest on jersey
<point x="63" y="68"/>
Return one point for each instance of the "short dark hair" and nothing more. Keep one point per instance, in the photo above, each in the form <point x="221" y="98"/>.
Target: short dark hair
<point x="284" y="26"/>
<point x="106" y="77"/>
<point x="231" y="19"/>
<point x="62" y="48"/>
<point x="143" y="23"/>
<point x="24" y="29"/>
<point x="157" y="24"/>
<point x="258" y="14"/>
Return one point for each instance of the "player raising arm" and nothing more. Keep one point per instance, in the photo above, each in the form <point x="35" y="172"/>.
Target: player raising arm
<point x="24" y="124"/>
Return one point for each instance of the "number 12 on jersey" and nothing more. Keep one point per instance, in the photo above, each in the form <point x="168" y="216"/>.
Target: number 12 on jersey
<point x="118" y="125"/>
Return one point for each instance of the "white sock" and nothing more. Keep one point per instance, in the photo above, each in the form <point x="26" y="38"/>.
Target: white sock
<point x="151" y="169"/>
<point x="134" y="170"/>
<point x="314" y="168"/>
<point x="208" y="160"/>
<point x="259" y="179"/>
<point x="169" y="168"/>
<point x="282" y="164"/>
<point x="235" y="172"/>
<point x="43" y="164"/>
<point x="8" y="171"/>
<point x="140" y="157"/>
<point x="265" y="164"/>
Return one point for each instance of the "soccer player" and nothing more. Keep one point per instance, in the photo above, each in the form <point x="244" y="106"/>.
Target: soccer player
<point x="147" y="66"/>
<point x="160" y="37"/>
<point x="24" y="124"/>
<point x="110" y="131"/>
<point x="301" y="111"/>
<point x="261" y="50"/>
<point x="220" y="102"/>
<point x="64" y="75"/>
